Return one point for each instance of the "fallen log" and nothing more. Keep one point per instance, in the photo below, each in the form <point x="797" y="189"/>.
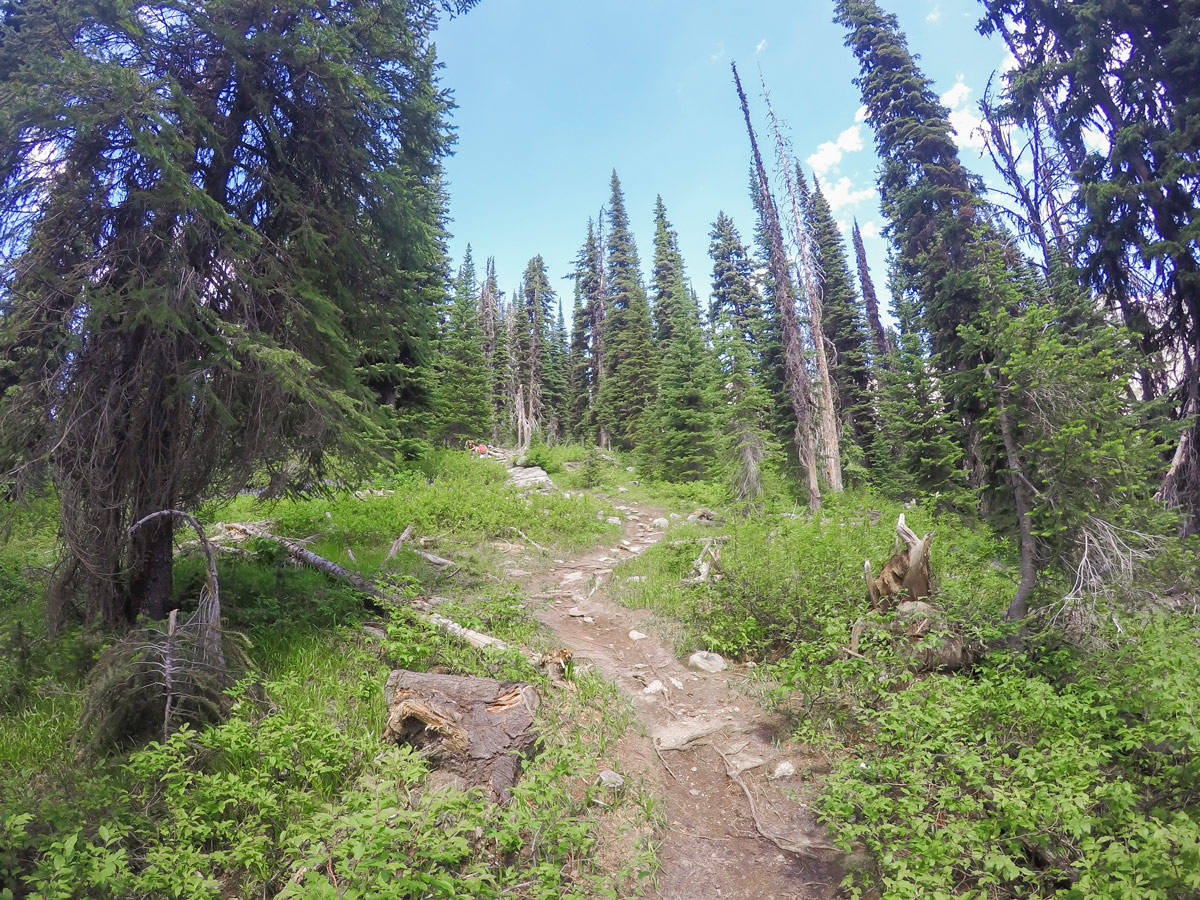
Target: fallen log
<point x="303" y="555"/>
<point x="477" y="728"/>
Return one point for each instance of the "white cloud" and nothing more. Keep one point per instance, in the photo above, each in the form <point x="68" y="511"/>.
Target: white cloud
<point x="963" y="119"/>
<point x="860" y="114"/>
<point x="869" y="230"/>
<point x="842" y="193"/>
<point x="830" y="153"/>
<point x="843" y="226"/>
<point x="762" y="45"/>
<point x="957" y="96"/>
<point x="1009" y="63"/>
<point x="720" y="52"/>
<point x="934" y="14"/>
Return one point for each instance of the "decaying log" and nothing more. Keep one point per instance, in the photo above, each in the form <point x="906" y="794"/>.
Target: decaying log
<point x="304" y="555"/>
<point x="907" y="573"/>
<point x="477" y="728"/>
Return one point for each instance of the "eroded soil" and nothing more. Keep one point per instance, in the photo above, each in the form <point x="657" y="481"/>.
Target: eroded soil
<point x="738" y="826"/>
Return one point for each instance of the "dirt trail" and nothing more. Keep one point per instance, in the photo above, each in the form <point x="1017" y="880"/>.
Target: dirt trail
<point x="717" y="759"/>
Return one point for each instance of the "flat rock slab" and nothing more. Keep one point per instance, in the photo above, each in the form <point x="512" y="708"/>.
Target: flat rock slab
<point x="477" y="728"/>
<point x="531" y="478"/>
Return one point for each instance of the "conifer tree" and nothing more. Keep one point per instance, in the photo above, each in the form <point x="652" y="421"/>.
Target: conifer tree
<point x="464" y="380"/>
<point x="579" y="370"/>
<point x="627" y="388"/>
<point x="679" y="430"/>
<point x="879" y="337"/>
<point x="491" y="326"/>
<point x="734" y="298"/>
<point x="556" y="377"/>
<point x="532" y="353"/>
<point x="931" y="201"/>
<point x="841" y="319"/>
<point x="590" y="283"/>
<point x="1126" y="72"/>
<point x="220" y="250"/>
<point x="670" y="292"/>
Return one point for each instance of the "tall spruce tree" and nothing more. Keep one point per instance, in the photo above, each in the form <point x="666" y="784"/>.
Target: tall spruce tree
<point x="670" y="292"/>
<point x="220" y="246"/>
<point x="579" y="370"/>
<point x="491" y="323"/>
<point x="627" y="388"/>
<point x="590" y="282"/>
<point x="464" y="394"/>
<point x="556" y="377"/>
<point x="879" y="338"/>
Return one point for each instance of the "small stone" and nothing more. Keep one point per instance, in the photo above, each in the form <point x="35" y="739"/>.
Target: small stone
<point x="784" y="770"/>
<point x="622" y="490"/>
<point x="655" y="687"/>
<point x="613" y="520"/>
<point x="569" y="577"/>
<point x="516" y="573"/>
<point x="637" y="636"/>
<point x="676" y="683"/>
<point x="611" y="780"/>
<point x="693" y="791"/>
<point x="660" y="522"/>
<point x="626" y="543"/>
<point x="676" y="516"/>
<point x="707" y="662"/>
<point x="636" y="579"/>
<point x="567" y="495"/>
<point x="629" y="468"/>
<point x="589" y="620"/>
<point x="575" y="612"/>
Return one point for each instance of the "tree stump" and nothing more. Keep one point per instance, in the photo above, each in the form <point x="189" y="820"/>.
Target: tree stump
<point x="906" y="574"/>
<point x="477" y="728"/>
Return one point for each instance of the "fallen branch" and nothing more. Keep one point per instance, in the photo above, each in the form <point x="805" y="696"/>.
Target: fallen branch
<point x="440" y="561"/>
<point x="530" y="540"/>
<point x="399" y="542"/>
<point x="301" y="554"/>
<point x="704" y="571"/>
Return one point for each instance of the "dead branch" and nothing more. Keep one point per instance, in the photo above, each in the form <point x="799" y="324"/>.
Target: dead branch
<point x="399" y="542"/>
<point x="476" y="639"/>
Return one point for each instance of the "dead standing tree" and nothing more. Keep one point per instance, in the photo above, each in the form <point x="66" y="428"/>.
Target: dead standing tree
<point x="827" y="424"/>
<point x="797" y="383"/>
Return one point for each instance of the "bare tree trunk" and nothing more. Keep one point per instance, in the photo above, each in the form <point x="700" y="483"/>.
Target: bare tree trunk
<point x="151" y="576"/>
<point x="1026" y="548"/>
<point x="827" y="420"/>
<point x="798" y="386"/>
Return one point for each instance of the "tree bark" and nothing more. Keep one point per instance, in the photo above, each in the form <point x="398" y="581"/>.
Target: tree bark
<point x="151" y="576"/>
<point x="1026" y="548"/>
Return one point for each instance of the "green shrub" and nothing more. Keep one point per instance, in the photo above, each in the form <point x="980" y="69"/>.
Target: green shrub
<point x="1061" y="775"/>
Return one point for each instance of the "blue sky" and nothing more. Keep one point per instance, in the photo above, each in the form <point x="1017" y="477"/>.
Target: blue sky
<point x="554" y="94"/>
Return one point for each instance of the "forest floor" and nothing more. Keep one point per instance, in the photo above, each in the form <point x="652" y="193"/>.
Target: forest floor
<point x="736" y="791"/>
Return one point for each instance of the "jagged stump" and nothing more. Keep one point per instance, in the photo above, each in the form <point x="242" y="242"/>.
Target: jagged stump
<point x="477" y="728"/>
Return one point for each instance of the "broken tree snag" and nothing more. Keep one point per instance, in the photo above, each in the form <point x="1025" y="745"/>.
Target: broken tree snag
<point x="908" y="572"/>
<point x="477" y="728"/>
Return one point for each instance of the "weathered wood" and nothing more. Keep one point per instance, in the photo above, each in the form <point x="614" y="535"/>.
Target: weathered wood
<point x="477" y="728"/>
<point x="907" y="573"/>
<point x="399" y="542"/>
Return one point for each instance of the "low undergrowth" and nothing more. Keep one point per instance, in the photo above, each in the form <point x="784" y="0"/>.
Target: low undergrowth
<point x="1045" y="771"/>
<point x="294" y="795"/>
